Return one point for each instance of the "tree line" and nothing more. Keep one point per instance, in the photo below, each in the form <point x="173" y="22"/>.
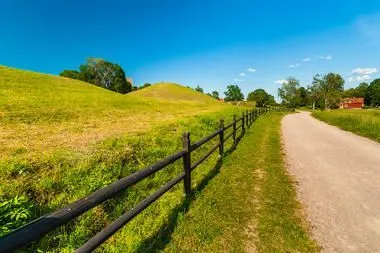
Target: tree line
<point x="326" y="91"/>
<point x="234" y="93"/>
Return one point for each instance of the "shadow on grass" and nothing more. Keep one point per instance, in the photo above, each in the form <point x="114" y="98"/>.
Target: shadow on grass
<point x="159" y="240"/>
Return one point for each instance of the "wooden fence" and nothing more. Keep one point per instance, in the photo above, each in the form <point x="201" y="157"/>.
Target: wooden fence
<point x="47" y="223"/>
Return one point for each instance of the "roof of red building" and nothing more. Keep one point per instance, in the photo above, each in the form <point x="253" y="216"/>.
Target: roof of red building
<point x="354" y="100"/>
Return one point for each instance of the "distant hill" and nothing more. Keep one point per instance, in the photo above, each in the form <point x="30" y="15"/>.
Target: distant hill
<point x="172" y="92"/>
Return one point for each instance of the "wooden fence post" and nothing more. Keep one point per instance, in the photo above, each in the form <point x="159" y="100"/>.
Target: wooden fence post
<point x="221" y="137"/>
<point x="246" y="120"/>
<point x="243" y="123"/>
<point x="187" y="162"/>
<point x="234" y="129"/>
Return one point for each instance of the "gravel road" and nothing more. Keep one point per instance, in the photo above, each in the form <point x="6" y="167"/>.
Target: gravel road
<point x="338" y="182"/>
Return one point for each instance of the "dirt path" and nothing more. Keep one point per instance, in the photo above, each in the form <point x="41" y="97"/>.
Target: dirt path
<point x="338" y="178"/>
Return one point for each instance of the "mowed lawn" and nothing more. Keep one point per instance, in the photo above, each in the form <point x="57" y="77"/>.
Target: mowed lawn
<point x="362" y="122"/>
<point x="248" y="205"/>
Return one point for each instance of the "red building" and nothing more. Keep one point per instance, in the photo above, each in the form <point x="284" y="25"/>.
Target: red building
<point x="351" y="103"/>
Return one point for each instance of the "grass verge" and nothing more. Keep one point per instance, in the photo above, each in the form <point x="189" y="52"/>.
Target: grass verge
<point x="249" y="205"/>
<point x="68" y="176"/>
<point x="362" y="122"/>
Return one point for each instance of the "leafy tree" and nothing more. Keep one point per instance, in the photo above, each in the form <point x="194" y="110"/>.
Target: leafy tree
<point x="330" y="89"/>
<point x="350" y="93"/>
<point x="288" y="92"/>
<point x="145" y="86"/>
<point x="106" y="74"/>
<point x="199" y="89"/>
<point x="315" y="90"/>
<point x="215" y="94"/>
<point x="302" y="96"/>
<point x="271" y="100"/>
<point x="233" y="93"/>
<point x="362" y="89"/>
<point x="70" y="74"/>
<point x="373" y="93"/>
<point x="357" y="92"/>
<point x="101" y="73"/>
<point x="261" y="97"/>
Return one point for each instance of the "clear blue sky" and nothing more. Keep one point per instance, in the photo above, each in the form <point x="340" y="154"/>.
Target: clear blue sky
<point x="210" y="43"/>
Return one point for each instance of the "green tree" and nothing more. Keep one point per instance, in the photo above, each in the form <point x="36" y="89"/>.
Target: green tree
<point x="199" y="89"/>
<point x="315" y="91"/>
<point x="261" y="97"/>
<point x="101" y="73"/>
<point x="303" y="96"/>
<point x="106" y="74"/>
<point x="288" y="92"/>
<point x="74" y="74"/>
<point x="362" y="89"/>
<point x="145" y="86"/>
<point x="357" y="92"/>
<point x="350" y="93"/>
<point x="215" y="94"/>
<point x="329" y="89"/>
<point x="332" y="89"/>
<point x="233" y="93"/>
<point x="373" y="93"/>
<point x="271" y="100"/>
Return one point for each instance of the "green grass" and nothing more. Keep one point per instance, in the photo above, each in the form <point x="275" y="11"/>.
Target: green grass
<point x="40" y="113"/>
<point x="249" y="205"/>
<point x="362" y="122"/>
<point x="61" y="139"/>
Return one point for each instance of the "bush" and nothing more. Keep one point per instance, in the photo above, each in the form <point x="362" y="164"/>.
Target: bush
<point x="14" y="212"/>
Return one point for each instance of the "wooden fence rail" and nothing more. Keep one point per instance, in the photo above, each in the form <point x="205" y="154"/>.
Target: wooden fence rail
<point x="36" y="229"/>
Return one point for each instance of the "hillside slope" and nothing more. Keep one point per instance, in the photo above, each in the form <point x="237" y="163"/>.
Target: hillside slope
<point x="172" y="92"/>
<point x="61" y="139"/>
<point x="41" y="112"/>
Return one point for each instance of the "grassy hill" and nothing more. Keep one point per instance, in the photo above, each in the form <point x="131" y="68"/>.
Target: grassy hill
<point x="42" y="112"/>
<point x="61" y="139"/>
<point x="172" y="92"/>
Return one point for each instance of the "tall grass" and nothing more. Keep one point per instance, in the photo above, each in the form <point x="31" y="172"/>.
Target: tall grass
<point x="62" y="139"/>
<point x="362" y="122"/>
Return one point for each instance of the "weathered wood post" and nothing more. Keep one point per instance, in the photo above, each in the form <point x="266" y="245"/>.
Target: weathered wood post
<point x="234" y="130"/>
<point x="243" y="123"/>
<point x="221" y="137"/>
<point x="249" y="117"/>
<point x="187" y="162"/>
<point x="246" y="118"/>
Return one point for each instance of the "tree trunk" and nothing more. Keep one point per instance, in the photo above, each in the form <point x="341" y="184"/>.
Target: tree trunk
<point x="313" y="105"/>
